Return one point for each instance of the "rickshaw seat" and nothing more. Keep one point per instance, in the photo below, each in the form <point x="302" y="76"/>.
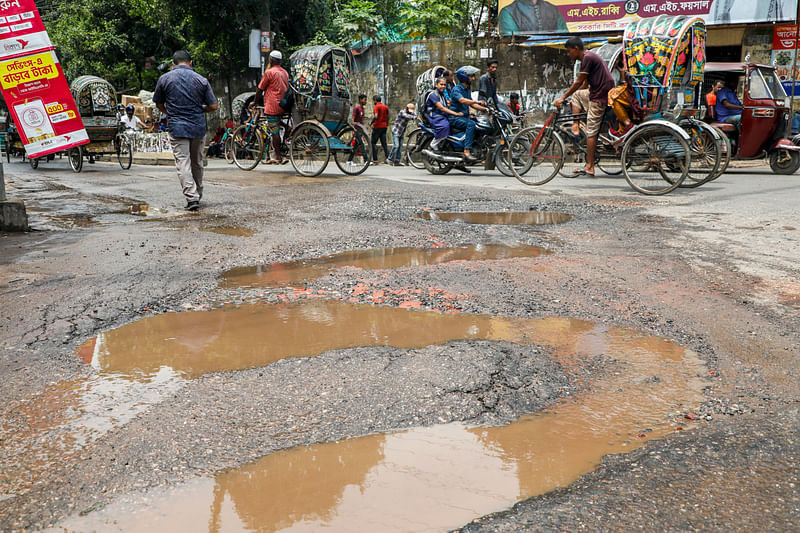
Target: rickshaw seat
<point x="724" y="126"/>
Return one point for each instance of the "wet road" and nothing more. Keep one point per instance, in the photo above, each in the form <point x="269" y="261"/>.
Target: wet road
<point x="596" y="351"/>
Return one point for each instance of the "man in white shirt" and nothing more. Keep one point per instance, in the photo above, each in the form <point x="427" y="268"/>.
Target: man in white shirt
<point x="131" y="121"/>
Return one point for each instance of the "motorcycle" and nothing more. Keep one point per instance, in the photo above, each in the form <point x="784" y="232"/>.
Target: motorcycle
<point x="492" y="137"/>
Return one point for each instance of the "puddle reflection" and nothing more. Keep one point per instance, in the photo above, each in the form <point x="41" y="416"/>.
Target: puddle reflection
<point x="306" y="269"/>
<point x="509" y="218"/>
<point x="435" y="478"/>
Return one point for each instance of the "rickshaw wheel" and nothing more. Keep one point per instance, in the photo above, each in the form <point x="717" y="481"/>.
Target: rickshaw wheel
<point x="34" y="161"/>
<point x="413" y="149"/>
<point x="124" y="153"/>
<point x="75" y="155"/>
<point x="784" y="161"/>
<point x="248" y="146"/>
<point x="228" y="148"/>
<point x="352" y="162"/>
<point x="535" y="157"/>
<point x="706" y="155"/>
<point x="727" y="152"/>
<point x="655" y="160"/>
<point x="309" y="151"/>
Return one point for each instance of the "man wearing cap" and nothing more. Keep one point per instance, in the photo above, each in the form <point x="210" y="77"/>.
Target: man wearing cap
<point x="184" y="96"/>
<point x="270" y="91"/>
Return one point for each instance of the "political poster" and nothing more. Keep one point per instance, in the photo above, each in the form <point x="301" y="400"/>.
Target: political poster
<point x="534" y="17"/>
<point x="33" y="85"/>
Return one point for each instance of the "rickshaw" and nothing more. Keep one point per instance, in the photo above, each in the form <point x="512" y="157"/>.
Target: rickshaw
<point x="97" y="106"/>
<point x="413" y="145"/>
<point x="764" y="119"/>
<point x="320" y="80"/>
<point x="664" y="57"/>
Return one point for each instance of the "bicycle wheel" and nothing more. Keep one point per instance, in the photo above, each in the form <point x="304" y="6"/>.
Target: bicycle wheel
<point x="248" y="145"/>
<point x="309" y="149"/>
<point x="356" y="158"/>
<point x="501" y="158"/>
<point x="655" y="159"/>
<point x="706" y="147"/>
<point x="574" y="156"/>
<point x="124" y="153"/>
<point x="725" y="157"/>
<point x="536" y="155"/>
<point x="75" y="156"/>
<point x="227" y="146"/>
<point x="413" y="149"/>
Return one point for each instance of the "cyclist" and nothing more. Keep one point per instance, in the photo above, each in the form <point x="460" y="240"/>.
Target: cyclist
<point x="270" y="91"/>
<point x="129" y="120"/>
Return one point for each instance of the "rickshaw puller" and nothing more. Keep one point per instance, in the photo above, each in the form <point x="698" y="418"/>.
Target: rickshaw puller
<point x="596" y="73"/>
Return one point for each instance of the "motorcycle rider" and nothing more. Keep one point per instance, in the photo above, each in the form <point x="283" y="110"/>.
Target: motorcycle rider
<point x="461" y="105"/>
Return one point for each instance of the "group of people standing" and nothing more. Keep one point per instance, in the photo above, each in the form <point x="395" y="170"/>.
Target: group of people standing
<point x="380" y="123"/>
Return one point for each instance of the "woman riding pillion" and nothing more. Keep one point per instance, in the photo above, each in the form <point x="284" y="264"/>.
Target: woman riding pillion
<point x="436" y="106"/>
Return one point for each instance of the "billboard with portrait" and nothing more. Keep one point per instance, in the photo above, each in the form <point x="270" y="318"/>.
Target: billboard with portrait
<point x="534" y="17"/>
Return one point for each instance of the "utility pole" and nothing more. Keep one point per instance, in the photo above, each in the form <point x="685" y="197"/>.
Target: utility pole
<point x="266" y="37"/>
<point x="794" y="71"/>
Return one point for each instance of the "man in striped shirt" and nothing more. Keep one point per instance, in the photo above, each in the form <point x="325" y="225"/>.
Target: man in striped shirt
<point x="398" y="130"/>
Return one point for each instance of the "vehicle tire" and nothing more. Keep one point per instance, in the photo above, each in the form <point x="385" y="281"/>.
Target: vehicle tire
<point x="413" y="149"/>
<point x="248" y="147"/>
<point x="706" y="149"/>
<point x="501" y="158"/>
<point x="309" y="151"/>
<point x="431" y="165"/>
<point x="34" y="161"/>
<point x="228" y="149"/>
<point x="784" y="161"/>
<point x="655" y="159"/>
<point x="75" y="156"/>
<point x="125" y="153"/>
<point x="727" y="153"/>
<point x="355" y="161"/>
<point x="574" y="157"/>
<point x="536" y="156"/>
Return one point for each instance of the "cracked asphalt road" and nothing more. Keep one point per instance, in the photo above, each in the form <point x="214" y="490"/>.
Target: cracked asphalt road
<point x="713" y="268"/>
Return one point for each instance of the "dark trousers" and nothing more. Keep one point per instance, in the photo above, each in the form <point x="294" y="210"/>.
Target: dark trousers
<point x="379" y="134"/>
<point x="467" y="126"/>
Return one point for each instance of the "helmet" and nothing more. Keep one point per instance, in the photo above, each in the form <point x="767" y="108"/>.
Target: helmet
<point x="465" y="72"/>
<point x="129" y="107"/>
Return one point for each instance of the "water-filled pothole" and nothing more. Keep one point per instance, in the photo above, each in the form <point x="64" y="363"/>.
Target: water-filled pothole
<point x="435" y="478"/>
<point x="306" y="269"/>
<point x="507" y="218"/>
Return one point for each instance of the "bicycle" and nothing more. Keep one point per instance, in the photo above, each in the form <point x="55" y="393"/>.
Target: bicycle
<point x="250" y="141"/>
<point x="654" y="156"/>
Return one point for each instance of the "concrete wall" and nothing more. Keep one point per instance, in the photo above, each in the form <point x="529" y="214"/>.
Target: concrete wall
<point x="537" y="73"/>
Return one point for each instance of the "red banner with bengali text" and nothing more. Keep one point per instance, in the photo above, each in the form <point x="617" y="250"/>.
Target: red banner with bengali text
<point x="33" y="84"/>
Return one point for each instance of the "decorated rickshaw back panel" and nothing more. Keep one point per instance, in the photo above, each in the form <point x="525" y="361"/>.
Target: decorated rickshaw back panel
<point x="665" y="52"/>
<point x="97" y="106"/>
<point x="321" y="77"/>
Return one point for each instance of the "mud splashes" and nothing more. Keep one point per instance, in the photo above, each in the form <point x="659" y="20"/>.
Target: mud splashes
<point x="231" y="230"/>
<point x="306" y="269"/>
<point x="507" y="218"/>
<point x="436" y="478"/>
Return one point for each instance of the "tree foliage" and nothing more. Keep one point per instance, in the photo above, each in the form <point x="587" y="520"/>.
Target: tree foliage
<point x="429" y="18"/>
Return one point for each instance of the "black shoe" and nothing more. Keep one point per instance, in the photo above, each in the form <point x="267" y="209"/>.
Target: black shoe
<point x="462" y="168"/>
<point x="469" y="158"/>
<point x="193" y="206"/>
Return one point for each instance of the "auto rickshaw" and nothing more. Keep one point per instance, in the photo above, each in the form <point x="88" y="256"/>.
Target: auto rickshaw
<point x="765" y="116"/>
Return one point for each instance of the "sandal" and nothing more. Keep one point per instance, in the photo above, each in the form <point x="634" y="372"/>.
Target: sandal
<point x="582" y="172"/>
<point x="274" y="162"/>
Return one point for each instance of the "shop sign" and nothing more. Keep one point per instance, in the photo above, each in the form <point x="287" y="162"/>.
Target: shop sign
<point x="532" y="17"/>
<point x="33" y="85"/>
<point x="784" y="49"/>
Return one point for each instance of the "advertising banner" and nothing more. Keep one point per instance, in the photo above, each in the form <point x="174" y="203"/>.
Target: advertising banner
<point x="534" y="17"/>
<point x="33" y="84"/>
<point x="784" y="48"/>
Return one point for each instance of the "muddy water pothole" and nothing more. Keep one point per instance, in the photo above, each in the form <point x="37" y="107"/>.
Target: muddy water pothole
<point x="422" y="479"/>
<point x="505" y="218"/>
<point x="280" y="274"/>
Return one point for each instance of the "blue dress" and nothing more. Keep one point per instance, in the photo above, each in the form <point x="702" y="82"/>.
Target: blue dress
<point x="437" y="118"/>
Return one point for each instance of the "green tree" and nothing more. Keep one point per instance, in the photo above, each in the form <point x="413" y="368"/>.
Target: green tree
<point x="358" y="19"/>
<point x="433" y="18"/>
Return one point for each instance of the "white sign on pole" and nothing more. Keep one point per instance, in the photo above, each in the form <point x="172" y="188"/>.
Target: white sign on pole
<point x="254" y="45"/>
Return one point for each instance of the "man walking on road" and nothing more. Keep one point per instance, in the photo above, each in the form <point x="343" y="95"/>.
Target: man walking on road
<point x="380" y="122"/>
<point x="184" y="96"/>
<point x="358" y="109"/>
<point x="270" y="91"/>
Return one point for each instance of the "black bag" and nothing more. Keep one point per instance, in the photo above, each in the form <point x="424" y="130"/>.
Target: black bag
<point x="287" y="102"/>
